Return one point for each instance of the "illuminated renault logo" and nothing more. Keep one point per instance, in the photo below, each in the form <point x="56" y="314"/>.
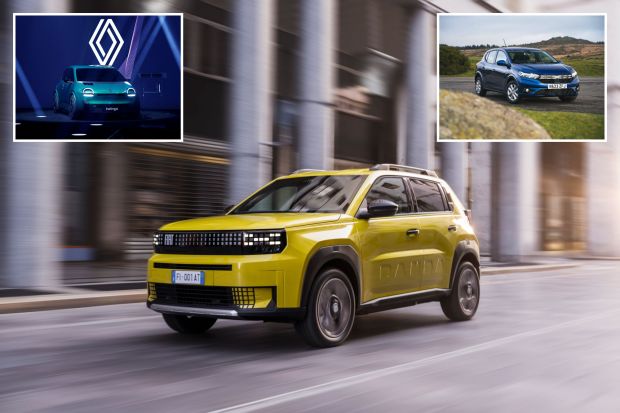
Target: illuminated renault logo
<point x="106" y="58"/>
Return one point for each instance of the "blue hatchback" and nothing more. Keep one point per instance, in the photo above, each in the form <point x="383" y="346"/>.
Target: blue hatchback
<point x="519" y="71"/>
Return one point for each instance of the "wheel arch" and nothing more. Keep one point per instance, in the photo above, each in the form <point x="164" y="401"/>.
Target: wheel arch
<point x="342" y="257"/>
<point x="466" y="250"/>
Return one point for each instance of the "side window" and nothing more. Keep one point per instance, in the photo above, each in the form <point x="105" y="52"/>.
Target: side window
<point x="501" y="56"/>
<point x="428" y="195"/>
<point x="491" y="56"/>
<point x="392" y="189"/>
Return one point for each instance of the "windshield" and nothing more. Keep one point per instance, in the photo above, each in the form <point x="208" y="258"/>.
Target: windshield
<point x="530" y="57"/>
<point x="99" y="75"/>
<point x="327" y="193"/>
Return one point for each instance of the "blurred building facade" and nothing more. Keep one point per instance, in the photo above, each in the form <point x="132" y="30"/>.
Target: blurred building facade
<point x="272" y="86"/>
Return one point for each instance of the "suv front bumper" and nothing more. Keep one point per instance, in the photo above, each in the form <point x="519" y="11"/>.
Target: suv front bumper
<point x="262" y="286"/>
<point x="536" y="88"/>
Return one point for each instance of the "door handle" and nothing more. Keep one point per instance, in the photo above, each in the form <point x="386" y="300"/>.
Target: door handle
<point x="413" y="232"/>
<point x="452" y="228"/>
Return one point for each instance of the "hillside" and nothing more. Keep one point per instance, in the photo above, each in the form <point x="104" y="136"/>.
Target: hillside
<point x="561" y="47"/>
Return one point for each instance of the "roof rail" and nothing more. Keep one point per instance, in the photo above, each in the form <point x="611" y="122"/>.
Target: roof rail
<point x="300" y="171"/>
<point x="402" y="168"/>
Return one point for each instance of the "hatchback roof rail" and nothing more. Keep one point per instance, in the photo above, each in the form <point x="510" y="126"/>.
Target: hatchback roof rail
<point x="300" y="171"/>
<point x="402" y="168"/>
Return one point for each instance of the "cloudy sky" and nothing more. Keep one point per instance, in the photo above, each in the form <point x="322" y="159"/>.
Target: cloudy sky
<point x="493" y="28"/>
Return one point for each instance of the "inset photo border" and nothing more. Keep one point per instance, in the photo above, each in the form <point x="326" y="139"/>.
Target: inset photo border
<point x="549" y="83"/>
<point x="91" y="77"/>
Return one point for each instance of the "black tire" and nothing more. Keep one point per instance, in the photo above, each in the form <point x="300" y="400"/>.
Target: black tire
<point x="512" y="92"/>
<point x="567" y="98"/>
<point x="188" y="325"/>
<point x="462" y="303"/>
<point x="56" y="105"/>
<point x="331" y="310"/>
<point x="479" y="86"/>
<point x="71" y="108"/>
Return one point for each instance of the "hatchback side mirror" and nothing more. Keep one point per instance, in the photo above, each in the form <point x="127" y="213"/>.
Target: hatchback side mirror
<point x="502" y="63"/>
<point x="379" y="208"/>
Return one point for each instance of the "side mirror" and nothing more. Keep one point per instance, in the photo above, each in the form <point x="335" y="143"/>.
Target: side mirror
<point x="229" y="208"/>
<point x="502" y="63"/>
<point x="379" y="208"/>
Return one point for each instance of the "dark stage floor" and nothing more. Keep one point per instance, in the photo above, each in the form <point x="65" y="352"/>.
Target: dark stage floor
<point x="158" y="125"/>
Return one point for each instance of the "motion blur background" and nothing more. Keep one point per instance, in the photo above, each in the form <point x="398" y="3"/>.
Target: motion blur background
<point x="272" y="86"/>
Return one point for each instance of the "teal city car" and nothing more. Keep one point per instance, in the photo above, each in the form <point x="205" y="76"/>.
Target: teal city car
<point x="89" y="91"/>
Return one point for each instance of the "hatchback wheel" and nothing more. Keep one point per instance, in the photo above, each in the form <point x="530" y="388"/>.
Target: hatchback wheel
<point x="512" y="92"/>
<point x="462" y="302"/>
<point x="331" y="310"/>
<point x="188" y="325"/>
<point x="479" y="88"/>
<point x="56" y="106"/>
<point x="72" y="109"/>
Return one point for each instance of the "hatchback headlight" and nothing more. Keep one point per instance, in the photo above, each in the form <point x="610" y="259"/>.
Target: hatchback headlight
<point x="131" y="92"/>
<point x="573" y="73"/>
<point x="88" y="92"/>
<point x="529" y="75"/>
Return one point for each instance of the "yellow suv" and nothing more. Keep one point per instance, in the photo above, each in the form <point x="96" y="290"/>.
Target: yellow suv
<point x="317" y="248"/>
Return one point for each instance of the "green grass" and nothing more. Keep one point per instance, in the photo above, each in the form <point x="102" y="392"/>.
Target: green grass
<point x="585" y="66"/>
<point x="569" y="125"/>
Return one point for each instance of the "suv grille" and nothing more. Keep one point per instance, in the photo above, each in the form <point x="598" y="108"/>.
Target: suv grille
<point x="220" y="242"/>
<point x="191" y="295"/>
<point x="202" y="296"/>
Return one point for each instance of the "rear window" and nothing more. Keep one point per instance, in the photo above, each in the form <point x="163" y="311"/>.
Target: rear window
<point x="99" y="75"/>
<point x="428" y="195"/>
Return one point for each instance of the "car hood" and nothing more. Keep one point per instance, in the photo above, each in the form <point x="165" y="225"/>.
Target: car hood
<point x="106" y="87"/>
<point x="251" y="221"/>
<point x="544" y="69"/>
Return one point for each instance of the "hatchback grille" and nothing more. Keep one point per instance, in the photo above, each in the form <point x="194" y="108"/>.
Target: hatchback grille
<point x="555" y="78"/>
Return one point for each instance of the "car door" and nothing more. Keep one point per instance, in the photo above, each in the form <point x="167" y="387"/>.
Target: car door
<point x="437" y="235"/>
<point x="489" y="69"/>
<point x="501" y="72"/>
<point x="388" y="243"/>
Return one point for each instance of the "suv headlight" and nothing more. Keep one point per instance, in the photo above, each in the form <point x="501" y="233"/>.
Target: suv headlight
<point x="529" y="75"/>
<point x="131" y="92"/>
<point x="573" y="73"/>
<point x="88" y="92"/>
<point x="264" y="242"/>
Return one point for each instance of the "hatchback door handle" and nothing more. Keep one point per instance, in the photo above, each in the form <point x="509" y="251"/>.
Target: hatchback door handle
<point x="413" y="232"/>
<point x="452" y="228"/>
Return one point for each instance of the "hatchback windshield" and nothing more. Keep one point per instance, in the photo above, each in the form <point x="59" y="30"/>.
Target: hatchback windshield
<point x="99" y="75"/>
<point x="327" y="193"/>
<point x="530" y="57"/>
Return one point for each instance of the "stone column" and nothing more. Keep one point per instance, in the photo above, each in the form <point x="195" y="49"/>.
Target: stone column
<point x="454" y="167"/>
<point x="515" y="222"/>
<point x="31" y="186"/>
<point x="481" y="205"/>
<point x="419" y="135"/>
<point x="251" y="105"/>
<point x="316" y="84"/>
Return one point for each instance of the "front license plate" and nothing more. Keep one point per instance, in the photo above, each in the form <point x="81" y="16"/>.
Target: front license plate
<point x="557" y="86"/>
<point x="188" y="277"/>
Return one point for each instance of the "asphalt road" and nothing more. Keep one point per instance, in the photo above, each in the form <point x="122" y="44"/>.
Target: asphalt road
<point x="591" y="98"/>
<point x="546" y="341"/>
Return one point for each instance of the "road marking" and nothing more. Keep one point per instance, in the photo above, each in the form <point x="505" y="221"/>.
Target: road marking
<point x="534" y="278"/>
<point x="400" y="368"/>
<point x="78" y="324"/>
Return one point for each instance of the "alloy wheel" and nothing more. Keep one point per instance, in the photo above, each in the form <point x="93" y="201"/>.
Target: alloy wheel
<point x="478" y="86"/>
<point x="334" y="308"/>
<point x="512" y="92"/>
<point x="468" y="291"/>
